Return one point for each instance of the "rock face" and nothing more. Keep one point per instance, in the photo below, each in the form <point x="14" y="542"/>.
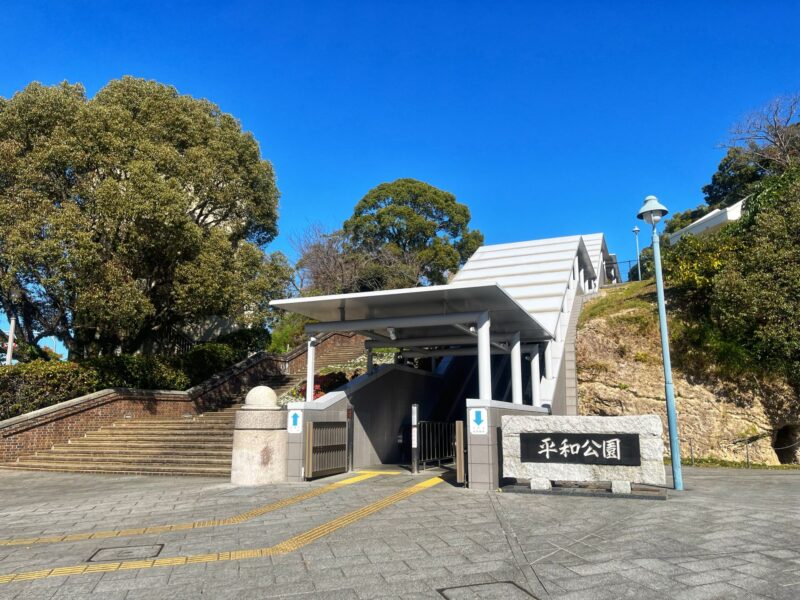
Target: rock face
<point x="620" y="373"/>
<point x="651" y="447"/>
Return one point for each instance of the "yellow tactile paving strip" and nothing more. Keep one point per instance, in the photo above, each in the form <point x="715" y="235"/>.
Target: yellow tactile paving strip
<point x="290" y="545"/>
<point x="235" y="520"/>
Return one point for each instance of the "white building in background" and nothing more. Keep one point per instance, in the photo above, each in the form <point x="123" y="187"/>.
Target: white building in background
<point x="713" y="220"/>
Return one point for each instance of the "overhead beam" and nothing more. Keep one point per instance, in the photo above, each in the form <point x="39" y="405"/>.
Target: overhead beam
<point x="444" y="340"/>
<point x="467" y="351"/>
<point x="376" y="336"/>
<point x="397" y="322"/>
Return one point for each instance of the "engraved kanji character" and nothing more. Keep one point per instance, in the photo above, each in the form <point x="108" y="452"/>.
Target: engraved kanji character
<point x="546" y="447"/>
<point x="588" y="450"/>
<point x="611" y="448"/>
<point x="566" y="448"/>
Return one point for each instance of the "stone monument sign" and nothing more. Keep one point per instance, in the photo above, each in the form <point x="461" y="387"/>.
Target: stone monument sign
<point x="622" y="450"/>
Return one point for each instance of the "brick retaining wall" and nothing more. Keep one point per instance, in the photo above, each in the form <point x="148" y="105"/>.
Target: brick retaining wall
<point x="297" y="359"/>
<point x="40" y="429"/>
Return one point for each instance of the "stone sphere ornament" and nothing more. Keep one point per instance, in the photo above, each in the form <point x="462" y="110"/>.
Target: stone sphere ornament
<point x="261" y="397"/>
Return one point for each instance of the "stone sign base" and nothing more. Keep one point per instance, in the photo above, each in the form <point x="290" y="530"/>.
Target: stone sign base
<point x="559" y="458"/>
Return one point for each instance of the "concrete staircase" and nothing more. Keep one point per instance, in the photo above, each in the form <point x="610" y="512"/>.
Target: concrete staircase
<point x="195" y="445"/>
<point x="336" y="356"/>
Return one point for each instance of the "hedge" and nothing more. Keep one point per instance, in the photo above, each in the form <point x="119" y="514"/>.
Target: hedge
<point x="139" y="371"/>
<point x="29" y="386"/>
<point x="32" y="385"/>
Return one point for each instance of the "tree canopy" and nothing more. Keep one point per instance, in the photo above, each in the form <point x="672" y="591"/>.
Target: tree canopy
<point x="424" y="228"/>
<point x="765" y="143"/>
<point x="738" y="284"/>
<point x="129" y="213"/>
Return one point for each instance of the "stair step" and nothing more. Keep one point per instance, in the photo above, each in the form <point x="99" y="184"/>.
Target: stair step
<point x="73" y="450"/>
<point x="123" y="433"/>
<point x="151" y="461"/>
<point x="150" y="444"/>
<point x="196" y="426"/>
<point x="120" y="469"/>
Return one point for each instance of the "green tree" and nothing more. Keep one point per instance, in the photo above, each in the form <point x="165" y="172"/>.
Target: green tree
<point x="423" y="227"/>
<point x="755" y="293"/>
<point x="737" y="171"/>
<point x="129" y="213"/>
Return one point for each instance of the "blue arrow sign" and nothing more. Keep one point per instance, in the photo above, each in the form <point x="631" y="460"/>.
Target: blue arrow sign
<point x="478" y="417"/>
<point x="295" y="418"/>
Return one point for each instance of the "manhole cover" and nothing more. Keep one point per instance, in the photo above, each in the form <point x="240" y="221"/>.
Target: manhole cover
<point x="507" y="590"/>
<point x="126" y="553"/>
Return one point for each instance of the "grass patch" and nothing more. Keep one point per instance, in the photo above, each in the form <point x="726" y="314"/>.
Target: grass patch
<point x="646" y="358"/>
<point x="630" y="296"/>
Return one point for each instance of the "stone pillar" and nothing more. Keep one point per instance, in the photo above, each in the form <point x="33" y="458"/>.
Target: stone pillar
<point x="259" y="440"/>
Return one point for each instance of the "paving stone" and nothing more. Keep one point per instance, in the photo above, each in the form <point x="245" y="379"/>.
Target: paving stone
<point x="708" y="540"/>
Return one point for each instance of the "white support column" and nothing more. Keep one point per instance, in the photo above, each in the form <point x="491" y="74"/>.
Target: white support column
<point x="312" y="344"/>
<point x="581" y="281"/>
<point x="548" y="360"/>
<point x="12" y="323"/>
<point x="516" y="370"/>
<point x="536" y="378"/>
<point x="484" y="357"/>
<point x="369" y="361"/>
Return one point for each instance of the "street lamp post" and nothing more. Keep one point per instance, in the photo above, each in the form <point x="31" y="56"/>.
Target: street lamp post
<point x="636" y="231"/>
<point x="651" y="212"/>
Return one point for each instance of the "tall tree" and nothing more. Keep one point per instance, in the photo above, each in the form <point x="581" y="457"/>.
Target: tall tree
<point x="767" y="142"/>
<point x="131" y="212"/>
<point x="424" y="227"/>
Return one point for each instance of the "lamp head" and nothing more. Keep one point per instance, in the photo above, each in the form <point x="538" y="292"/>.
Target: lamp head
<point x="652" y="210"/>
<point x="636" y="229"/>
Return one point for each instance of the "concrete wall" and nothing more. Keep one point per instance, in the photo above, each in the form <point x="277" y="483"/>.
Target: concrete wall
<point x="484" y="452"/>
<point x="380" y="402"/>
<point x="565" y="396"/>
<point x="380" y="410"/>
<point x="335" y="412"/>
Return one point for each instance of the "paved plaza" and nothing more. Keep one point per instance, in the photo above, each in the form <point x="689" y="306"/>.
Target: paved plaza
<point x="732" y="534"/>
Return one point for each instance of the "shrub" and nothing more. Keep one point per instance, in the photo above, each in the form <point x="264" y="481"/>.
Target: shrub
<point x="322" y="385"/>
<point x="202" y="361"/>
<point x="138" y="371"/>
<point x="245" y="341"/>
<point x="29" y="386"/>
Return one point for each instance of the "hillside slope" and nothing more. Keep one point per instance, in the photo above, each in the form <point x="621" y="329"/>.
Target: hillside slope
<point x="620" y="373"/>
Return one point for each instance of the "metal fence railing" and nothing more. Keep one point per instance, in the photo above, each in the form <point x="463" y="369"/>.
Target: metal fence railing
<point x="437" y="442"/>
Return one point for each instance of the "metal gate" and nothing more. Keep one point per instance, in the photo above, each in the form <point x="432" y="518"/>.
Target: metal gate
<point x="436" y="442"/>
<point x="325" y="449"/>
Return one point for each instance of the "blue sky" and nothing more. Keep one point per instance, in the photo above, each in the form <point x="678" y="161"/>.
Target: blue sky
<point x="545" y="118"/>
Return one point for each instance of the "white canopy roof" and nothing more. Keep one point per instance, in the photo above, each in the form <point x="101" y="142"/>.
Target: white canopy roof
<point x="402" y="309"/>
